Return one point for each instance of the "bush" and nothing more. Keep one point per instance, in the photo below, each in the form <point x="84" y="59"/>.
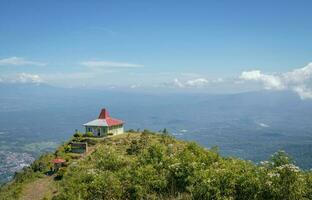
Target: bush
<point x="67" y="148"/>
<point x="91" y="142"/>
<point x="131" y="131"/>
<point x="109" y="160"/>
<point x="88" y="134"/>
<point x="110" y="133"/>
<point x="166" y="138"/>
<point x="134" y="148"/>
<point x="164" y="131"/>
<point x="60" y="173"/>
<point x="76" y="135"/>
<point x="281" y="158"/>
<point x="60" y="151"/>
<point x="106" y="186"/>
<point x="146" y="131"/>
<point x="43" y="163"/>
<point x="26" y="174"/>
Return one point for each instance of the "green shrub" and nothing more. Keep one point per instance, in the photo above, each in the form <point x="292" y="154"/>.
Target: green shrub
<point x="25" y="174"/>
<point x="106" y="186"/>
<point x="91" y="142"/>
<point x="109" y="159"/>
<point x="131" y="131"/>
<point x="76" y="135"/>
<point x="164" y="131"/>
<point x="43" y="163"/>
<point x="67" y="148"/>
<point x="88" y="134"/>
<point x="60" y="173"/>
<point x="146" y="131"/>
<point x="134" y="148"/>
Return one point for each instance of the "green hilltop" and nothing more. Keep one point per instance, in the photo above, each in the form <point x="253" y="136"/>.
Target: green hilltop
<point x="148" y="165"/>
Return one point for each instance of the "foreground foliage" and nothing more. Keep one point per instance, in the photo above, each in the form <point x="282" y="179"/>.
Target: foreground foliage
<point x="157" y="166"/>
<point x="153" y="166"/>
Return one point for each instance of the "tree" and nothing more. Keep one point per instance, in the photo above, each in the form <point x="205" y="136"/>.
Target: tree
<point x="281" y="158"/>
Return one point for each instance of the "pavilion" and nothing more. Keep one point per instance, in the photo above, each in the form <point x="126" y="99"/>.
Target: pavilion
<point x="104" y="125"/>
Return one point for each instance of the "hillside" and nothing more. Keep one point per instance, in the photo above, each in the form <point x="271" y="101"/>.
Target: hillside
<point x="147" y="165"/>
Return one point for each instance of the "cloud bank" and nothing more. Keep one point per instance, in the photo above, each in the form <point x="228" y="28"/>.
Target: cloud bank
<point x="18" y="61"/>
<point x="28" y="78"/>
<point x="22" y="78"/>
<point x="199" y="82"/>
<point x="193" y="83"/>
<point x="269" y="81"/>
<point x="298" y="80"/>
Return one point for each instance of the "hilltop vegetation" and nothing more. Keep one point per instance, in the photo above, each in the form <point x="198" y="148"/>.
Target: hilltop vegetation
<point x="157" y="166"/>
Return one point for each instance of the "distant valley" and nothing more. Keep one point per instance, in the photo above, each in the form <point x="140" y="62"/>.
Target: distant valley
<point x="37" y="118"/>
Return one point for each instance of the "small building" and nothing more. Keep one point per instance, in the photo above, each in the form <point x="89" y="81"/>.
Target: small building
<point x="58" y="163"/>
<point x="104" y="125"/>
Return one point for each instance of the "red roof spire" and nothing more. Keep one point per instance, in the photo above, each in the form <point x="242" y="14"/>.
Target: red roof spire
<point x="110" y="121"/>
<point x="104" y="114"/>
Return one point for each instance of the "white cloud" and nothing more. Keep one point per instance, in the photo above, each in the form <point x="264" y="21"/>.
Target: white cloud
<point x="109" y="64"/>
<point x="177" y="83"/>
<point x="199" y="82"/>
<point x="298" y="80"/>
<point x="299" y="75"/>
<point x="263" y="125"/>
<point x="28" y="78"/>
<point x="303" y="92"/>
<point x="269" y="81"/>
<point x="18" y="61"/>
<point x="193" y="83"/>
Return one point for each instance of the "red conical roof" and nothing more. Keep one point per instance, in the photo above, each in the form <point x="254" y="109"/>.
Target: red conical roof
<point x="104" y="114"/>
<point x="110" y="121"/>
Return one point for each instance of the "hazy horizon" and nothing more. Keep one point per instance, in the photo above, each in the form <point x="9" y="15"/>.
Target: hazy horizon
<point x="202" y="46"/>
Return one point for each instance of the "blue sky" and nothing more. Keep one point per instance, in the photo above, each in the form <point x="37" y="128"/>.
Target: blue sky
<point x="153" y="43"/>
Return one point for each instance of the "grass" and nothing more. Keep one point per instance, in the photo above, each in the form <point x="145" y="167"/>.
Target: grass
<point x="31" y="181"/>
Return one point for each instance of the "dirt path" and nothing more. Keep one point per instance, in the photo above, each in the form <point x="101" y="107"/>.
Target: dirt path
<point x="46" y="186"/>
<point x="38" y="189"/>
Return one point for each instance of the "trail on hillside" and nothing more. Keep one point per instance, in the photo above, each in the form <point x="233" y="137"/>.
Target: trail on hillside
<point x="45" y="187"/>
<point x="39" y="189"/>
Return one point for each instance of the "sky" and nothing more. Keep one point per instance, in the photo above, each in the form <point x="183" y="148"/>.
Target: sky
<point x="215" y="46"/>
